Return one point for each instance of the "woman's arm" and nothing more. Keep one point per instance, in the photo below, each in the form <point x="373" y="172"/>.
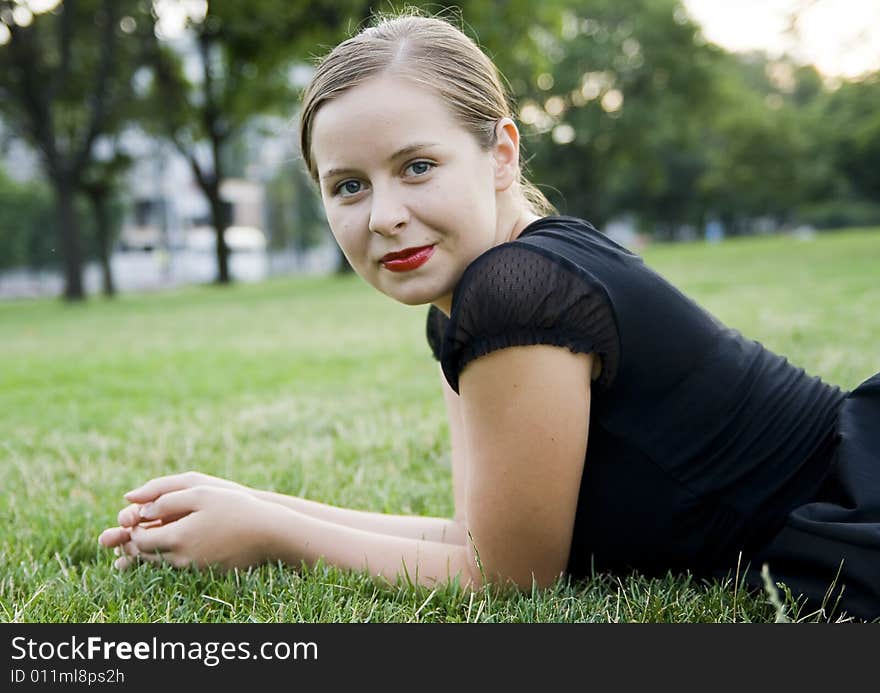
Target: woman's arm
<point x="438" y="529"/>
<point x="457" y="443"/>
<point x="525" y="416"/>
<point x="220" y="526"/>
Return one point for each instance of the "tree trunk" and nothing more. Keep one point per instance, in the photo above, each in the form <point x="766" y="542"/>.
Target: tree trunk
<point x="218" y="136"/>
<point x="70" y="244"/>
<point x="98" y="199"/>
<point x="220" y="220"/>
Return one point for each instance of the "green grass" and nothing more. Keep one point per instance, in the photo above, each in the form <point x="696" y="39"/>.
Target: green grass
<point x="324" y="388"/>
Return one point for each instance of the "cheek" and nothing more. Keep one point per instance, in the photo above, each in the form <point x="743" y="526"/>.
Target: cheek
<point x="461" y="194"/>
<point x="476" y="187"/>
<point x="349" y="236"/>
<point x="340" y="224"/>
<point x="472" y="206"/>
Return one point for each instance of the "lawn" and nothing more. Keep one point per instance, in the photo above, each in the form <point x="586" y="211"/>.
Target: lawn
<point x="321" y="387"/>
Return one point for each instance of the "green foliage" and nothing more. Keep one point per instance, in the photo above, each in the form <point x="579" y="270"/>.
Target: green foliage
<point x="750" y="148"/>
<point x="62" y="83"/>
<point x="66" y="79"/>
<point x="289" y="385"/>
<point x="244" y="53"/>
<point x="840" y="213"/>
<point x="28" y="225"/>
<point x="627" y="80"/>
<point x="853" y="119"/>
<point x="27" y="221"/>
<point x="626" y="108"/>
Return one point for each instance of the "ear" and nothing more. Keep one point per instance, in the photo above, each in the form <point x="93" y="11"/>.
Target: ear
<point x="505" y="153"/>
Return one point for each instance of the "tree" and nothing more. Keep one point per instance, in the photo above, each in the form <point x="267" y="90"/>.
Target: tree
<point x="854" y="122"/>
<point x="627" y="108"/>
<point x="101" y="184"/>
<point x="610" y="109"/>
<point x="62" y="76"/>
<point x="243" y="54"/>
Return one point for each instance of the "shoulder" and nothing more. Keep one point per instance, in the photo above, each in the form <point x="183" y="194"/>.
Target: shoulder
<point x="553" y="247"/>
<point x="528" y="292"/>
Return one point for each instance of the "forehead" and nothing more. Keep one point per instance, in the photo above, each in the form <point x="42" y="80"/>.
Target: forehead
<point x="368" y="122"/>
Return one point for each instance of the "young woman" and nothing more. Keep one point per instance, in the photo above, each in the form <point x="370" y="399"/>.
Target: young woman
<point x="599" y="419"/>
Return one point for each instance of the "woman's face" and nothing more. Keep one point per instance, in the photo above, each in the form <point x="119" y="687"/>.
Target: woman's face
<point x="409" y="194"/>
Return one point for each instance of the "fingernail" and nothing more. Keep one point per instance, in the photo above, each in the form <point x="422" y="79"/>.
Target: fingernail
<point x="146" y="511"/>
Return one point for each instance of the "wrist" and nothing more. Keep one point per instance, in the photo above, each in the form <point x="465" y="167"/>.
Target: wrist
<point x="274" y="531"/>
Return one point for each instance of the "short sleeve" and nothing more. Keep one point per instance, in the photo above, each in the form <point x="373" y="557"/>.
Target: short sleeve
<point x="520" y="295"/>
<point x="435" y="328"/>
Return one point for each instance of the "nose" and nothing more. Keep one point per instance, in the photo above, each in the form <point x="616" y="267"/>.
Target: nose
<point x="388" y="214"/>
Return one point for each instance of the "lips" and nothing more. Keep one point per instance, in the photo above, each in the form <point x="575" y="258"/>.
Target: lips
<point x="407" y="259"/>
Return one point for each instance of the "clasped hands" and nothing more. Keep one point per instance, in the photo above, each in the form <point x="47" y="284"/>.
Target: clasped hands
<point x="191" y="520"/>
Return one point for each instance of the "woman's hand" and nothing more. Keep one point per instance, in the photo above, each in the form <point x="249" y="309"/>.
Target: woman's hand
<point x="175" y="482"/>
<point x="196" y="525"/>
<point x="150" y="491"/>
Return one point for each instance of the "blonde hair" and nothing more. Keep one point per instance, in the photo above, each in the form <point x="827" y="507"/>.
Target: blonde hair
<point x="428" y="51"/>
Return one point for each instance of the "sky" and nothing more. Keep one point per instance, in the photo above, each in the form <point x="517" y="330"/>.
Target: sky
<point x="840" y="37"/>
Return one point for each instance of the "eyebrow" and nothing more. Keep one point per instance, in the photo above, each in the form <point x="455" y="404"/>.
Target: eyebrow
<point x="403" y="151"/>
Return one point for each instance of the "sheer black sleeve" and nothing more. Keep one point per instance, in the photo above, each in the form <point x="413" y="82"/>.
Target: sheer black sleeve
<point x="520" y="295"/>
<point x="435" y="329"/>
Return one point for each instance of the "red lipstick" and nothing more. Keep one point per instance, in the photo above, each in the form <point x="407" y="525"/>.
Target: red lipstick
<point x="408" y="259"/>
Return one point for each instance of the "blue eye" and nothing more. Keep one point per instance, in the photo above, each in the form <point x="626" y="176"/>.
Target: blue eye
<point x="420" y="168"/>
<point x="347" y="188"/>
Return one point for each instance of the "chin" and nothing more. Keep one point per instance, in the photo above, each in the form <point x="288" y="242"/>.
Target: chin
<point x="411" y="295"/>
<point x="410" y="298"/>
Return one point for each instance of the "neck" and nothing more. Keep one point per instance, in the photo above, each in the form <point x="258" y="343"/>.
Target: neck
<point x="509" y="228"/>
<point x="526" y="218"/>
<point x="514" y="215"/>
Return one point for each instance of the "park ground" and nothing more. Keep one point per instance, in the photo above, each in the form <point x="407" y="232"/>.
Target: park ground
<point x="321" y="387"/>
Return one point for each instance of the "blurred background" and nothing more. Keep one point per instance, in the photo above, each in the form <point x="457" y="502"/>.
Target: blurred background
<point x="147" y="144"/>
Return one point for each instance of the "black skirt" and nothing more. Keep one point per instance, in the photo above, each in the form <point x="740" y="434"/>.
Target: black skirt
<point x="828" y="551"/>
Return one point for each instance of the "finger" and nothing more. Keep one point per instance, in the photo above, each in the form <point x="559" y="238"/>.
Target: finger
<point x="155" y="523"/>
<point x="128" y="561"/>
<point x="129" y="548"/>
<point x="161" y="485"/>
<point x="114" y="536"/>
<point x="123" y="563"/>
<point x="150" y="557"/>
<point x="162" y="557"/>
<point x="153" y="539"/>
<point x="165" y="519"/>
<point x="172" y="505"/>
<point x="129" y="516"/>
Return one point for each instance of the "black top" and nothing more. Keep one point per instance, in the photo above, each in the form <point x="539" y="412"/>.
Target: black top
<point x="701" y="441"/>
